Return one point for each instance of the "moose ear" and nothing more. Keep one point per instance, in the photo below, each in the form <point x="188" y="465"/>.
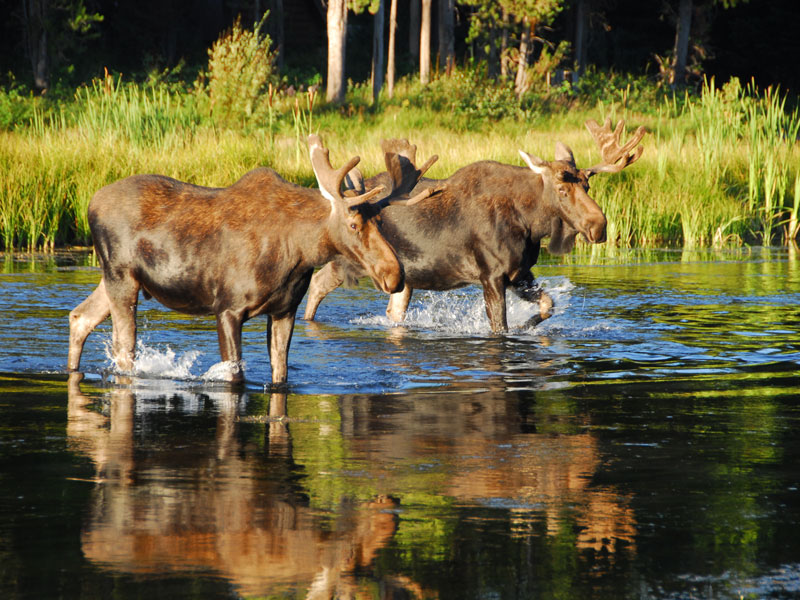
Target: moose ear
<point x="536" y="164"/>
<point x="564" y="154"/>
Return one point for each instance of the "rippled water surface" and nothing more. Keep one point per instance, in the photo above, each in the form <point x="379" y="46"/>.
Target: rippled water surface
<point x="641" y="443"/>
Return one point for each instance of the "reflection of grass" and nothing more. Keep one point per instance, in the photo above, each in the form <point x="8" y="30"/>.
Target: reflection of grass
<point x="717" y="169"/>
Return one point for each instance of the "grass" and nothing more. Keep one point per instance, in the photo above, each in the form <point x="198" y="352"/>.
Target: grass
<point x="719" y="168"/>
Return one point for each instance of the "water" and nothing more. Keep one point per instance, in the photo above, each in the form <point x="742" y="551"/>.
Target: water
<point x="642" y="443"/>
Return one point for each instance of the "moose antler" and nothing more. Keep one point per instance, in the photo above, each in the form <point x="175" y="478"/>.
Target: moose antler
<point x="615" y="157"/>
<point x="400" y="157"/>
<point x="330" y="179"/>
<point x="401" y="174"/>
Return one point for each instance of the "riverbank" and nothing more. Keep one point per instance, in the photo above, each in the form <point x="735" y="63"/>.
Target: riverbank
<point x="719" y="167"/>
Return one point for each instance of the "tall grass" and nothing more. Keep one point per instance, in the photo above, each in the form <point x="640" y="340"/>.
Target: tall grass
<point x="719" y="167"/>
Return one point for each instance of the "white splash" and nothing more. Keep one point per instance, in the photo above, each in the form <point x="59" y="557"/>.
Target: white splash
<point x="162" y="362"/>
<point x="463" y="312"/>
<point x="224" y="371"/>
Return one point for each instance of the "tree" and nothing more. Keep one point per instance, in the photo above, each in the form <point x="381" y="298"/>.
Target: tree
<point x="582" y="8"/>
<point x="447" y="52"/>
<point x="377" y="52"/>
<point x="54" y="29"/>
<point x="337" y="30"/>
<point x="681" y="49"/>
<point x="683" y="31"/>
<point x="390" y="68"/>
<point x="413" y="29"/>
<point x="425" y="43"/>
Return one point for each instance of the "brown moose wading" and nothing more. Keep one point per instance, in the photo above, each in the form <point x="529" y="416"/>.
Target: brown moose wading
<point x="486" y="224"/>
<point x="235" y="253"/>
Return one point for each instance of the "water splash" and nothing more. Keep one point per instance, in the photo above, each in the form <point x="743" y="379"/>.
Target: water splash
<point x="462" y="311"/>
<point x="162" y="362"/>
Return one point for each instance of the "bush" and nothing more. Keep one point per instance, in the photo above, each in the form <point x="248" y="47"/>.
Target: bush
<point x="240" y="67"/>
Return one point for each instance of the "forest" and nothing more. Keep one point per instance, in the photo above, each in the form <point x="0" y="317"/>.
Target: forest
<point x="92" y="91"/>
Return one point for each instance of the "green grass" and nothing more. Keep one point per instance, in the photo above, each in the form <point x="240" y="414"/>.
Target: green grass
<point x="719" y="167"/>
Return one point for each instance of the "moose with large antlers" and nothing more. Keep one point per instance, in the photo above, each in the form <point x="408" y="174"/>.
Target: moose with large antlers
<point x="486" y="225"/>
<point x="235" y="252"/>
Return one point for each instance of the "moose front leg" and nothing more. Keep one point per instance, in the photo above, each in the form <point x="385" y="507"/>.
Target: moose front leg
<point x="229" y="333"/>
<point x="82" y="321"/>
<point x="279" y="337"/>
<point x="398" y="304"/>
<point x="323" y="282"/>
<point x="494" y="295"/>
<point x="526" y="288"/>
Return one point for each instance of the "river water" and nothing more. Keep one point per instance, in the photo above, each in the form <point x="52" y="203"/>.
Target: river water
<point x="641" y="443"/>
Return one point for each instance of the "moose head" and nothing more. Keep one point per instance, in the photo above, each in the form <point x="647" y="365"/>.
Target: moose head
<point x="567" y="186"/>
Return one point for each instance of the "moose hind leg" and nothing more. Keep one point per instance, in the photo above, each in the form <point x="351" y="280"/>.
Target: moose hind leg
<point x="279" y="337"/>
<point x="82" y="321"/>
<point x="123" y="296"/>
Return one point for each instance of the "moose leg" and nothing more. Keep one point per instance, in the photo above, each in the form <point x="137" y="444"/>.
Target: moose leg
<point x="123" y="301"/>
<point x="279" y="336"/>
<point x="526" y="288"/>
<point x="398" y="303"/>
<point x="494" y="295"/>
<point x="83" y="319"/>
<point x="323" y="282"/>
<point x="229" y="334"/>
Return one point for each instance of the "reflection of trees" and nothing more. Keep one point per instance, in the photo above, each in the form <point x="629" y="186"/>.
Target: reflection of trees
<point x="224" y="507"/>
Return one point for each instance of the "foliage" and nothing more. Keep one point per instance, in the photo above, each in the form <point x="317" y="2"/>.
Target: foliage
<point x="718" y="168"/>
<point x="240" y="69"/>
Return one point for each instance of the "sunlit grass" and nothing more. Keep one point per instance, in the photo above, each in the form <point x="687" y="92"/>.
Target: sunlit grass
<point x="718" y="169"/>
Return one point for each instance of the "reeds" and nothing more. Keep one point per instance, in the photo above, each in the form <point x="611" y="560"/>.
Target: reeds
<point x="719" y="168"/>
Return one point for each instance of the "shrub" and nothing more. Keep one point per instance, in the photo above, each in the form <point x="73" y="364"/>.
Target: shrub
<point x="240" y="67"/>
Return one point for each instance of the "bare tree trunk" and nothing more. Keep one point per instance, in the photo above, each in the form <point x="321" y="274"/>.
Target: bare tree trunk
<point x="275" y="29"/>
<point x="521" y="82"/>
<point x="504" y="45"/>
<point x="337" y="29"/>
<point x="390" y="59"/>
<point x="581" y="32"/>
<point x="682" y="42"/>
<point x="447" y="52"/>
<point x="413" y="30"/>
<point x="35" y="16"/>
<point x="425" y="43"/>
<point x="377" y="53"/>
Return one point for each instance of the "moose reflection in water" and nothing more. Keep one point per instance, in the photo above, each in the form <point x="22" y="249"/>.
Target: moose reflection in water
<point x="246" y="511"/>
<point x="212" y="508"/>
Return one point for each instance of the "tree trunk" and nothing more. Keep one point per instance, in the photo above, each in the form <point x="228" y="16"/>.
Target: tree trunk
<point x="504" y="45"/>
<point x="447" y="52"/>
<point x="581" y="33"/>
<point x="681" y="50"/>
<point x="337" y="28"/>
<point x="390" y="58"/>
<point x="413" y="30"/>
<point x="521" y="82"/>
<point x="425" y="43"/>
<point x="35" y="17"/>
<point x="275" y="29"/>
<point x="377" y="53"/>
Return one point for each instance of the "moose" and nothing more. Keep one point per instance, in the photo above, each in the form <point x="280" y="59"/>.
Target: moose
<point x="235" y="253"/>
<point x="486" y="226"/>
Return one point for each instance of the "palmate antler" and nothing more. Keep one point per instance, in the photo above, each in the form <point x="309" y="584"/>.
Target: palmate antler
<point x="330" y="179"/>
<point x="615" y="157"/>
<point x="401" y="172"/>
<point x="400" y="157"/>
